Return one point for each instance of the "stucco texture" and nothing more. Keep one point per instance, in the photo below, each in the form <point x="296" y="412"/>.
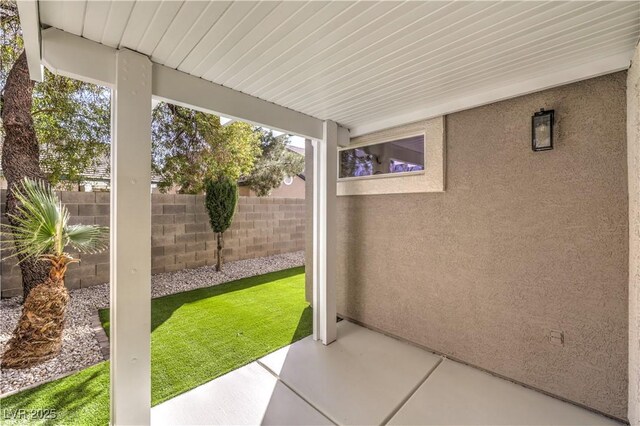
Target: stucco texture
<point x="519" y="244"/>
<point x="633" y="144"/>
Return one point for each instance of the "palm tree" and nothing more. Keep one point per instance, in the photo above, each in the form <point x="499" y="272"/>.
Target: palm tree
<point x="40" y="231"/>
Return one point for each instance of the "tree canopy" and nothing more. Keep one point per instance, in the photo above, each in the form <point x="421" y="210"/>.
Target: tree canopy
<point x="275" y="164"/>
<point x="190" y="147"/>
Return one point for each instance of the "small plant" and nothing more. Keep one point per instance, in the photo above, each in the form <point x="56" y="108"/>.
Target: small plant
<point x="42" y="231"/>
<point x="221" y="200"/>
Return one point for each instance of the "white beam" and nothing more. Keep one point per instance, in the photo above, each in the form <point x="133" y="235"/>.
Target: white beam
<point x="30" y="24"/>
<point x="183" y="89"/>
<point x="78" y="58"/>
<point x="325" y="172"/>
<point x="131" y="241"/>
<point x="501" y="92"/>
<point x="73" y="56"/>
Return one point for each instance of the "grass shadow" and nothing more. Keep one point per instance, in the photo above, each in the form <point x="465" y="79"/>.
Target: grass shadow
<point x="305" y="325"/>
<point x="83" y="395"/>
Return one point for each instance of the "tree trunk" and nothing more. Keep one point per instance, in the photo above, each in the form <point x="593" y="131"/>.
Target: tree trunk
<point x="38" y="334"/>
<point x="219" y="252"/>
<point x="21" y="155"/>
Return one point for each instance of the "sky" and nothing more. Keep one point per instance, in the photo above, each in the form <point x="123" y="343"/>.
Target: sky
<point x="297" y="141"/>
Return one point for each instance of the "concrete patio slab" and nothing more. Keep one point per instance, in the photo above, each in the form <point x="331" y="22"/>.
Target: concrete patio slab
<point x="456" y="394"/>
<point x="249" y="395"/>
<point x="361" y="378"/>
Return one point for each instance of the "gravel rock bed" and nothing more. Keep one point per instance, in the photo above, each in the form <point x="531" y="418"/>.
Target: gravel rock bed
<point x="80" y="348"/>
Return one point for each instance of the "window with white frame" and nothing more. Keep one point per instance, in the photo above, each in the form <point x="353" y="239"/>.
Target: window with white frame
<point x="404" y="155"/>
<point x="403" y="159"/>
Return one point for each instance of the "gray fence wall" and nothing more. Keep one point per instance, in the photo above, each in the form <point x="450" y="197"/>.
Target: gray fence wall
<point x="181" y="236"/>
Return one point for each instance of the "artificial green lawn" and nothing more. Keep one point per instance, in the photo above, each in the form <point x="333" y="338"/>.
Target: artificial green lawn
<point x="196" y="336"/>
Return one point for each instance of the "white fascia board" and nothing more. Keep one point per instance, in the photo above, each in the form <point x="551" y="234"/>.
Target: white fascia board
<point x="596" y="68"/>
<point x="183" y="89"/>
<point x="30" y="24"/>
<point x="73" y="56"/>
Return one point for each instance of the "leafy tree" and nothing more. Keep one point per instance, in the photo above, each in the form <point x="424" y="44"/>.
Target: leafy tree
<point x="221" y="200"/>
<point x="275" y="163"/>
<point x="41" y="231"/>
<point x="71" y="118"/>
<point x="190" y="147"/>
<point x="20" y="151"/>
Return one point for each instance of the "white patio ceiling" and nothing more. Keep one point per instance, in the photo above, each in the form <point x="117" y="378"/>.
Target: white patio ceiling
<point x="367" y="65"/>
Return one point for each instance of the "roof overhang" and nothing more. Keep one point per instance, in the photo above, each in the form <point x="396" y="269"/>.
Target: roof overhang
<point x="76" y="57"/>
<point x="366" y="65"/>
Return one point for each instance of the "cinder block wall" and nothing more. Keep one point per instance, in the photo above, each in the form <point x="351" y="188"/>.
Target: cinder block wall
<point x="181" y="236"/>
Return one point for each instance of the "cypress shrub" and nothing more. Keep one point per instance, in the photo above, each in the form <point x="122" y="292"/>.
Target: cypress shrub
<point x="221" y="201"/>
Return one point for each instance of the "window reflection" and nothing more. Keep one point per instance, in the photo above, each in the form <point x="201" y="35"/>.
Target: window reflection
<point x="397" y="156"/>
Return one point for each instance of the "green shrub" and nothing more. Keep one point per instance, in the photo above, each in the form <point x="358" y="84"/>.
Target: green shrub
<point x="221" y="200"/>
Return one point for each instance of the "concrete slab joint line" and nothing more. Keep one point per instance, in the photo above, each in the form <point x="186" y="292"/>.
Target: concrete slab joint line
<point x="413" y="391"/>
<point x="327" y="415"/>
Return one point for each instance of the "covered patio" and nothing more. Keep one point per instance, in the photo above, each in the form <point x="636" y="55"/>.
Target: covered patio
<point x="365" y="378"/>
<point x="519" y="262"/>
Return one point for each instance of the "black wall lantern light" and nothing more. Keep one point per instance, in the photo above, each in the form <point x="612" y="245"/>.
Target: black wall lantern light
<point x="542" y="130"/>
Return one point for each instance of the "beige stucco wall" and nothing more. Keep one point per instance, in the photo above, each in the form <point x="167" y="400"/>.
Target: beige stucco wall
<point x="633" y="156"/>
<point x="519" y="244"/>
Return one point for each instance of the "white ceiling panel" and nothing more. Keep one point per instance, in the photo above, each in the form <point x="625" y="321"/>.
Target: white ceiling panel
<point x="178" y="29"/>
<point x="74" y="16"/>
<point x="116" y="22"/>
<point x="141" y="16"/>
<point x="297" y="32"/>
<point x="217" y="33"/>
<point x="278" y="16"/>
<point x="474" y="63"/>
<point x="428" y="78"/>
<point x="162" y="19"/>
<point x="261" y="14"/>
<point x="203" y="24"/>
<point x="362" y="63"/>
<point x="95" y="19"/>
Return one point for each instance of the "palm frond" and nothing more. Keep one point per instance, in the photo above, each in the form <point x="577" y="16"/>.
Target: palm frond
<point x="40" y="225"/>
<point x="88" y="238"/>
<point x="39" y="216"/>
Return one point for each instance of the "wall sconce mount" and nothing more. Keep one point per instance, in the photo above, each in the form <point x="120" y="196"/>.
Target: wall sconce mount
<point x="542" y="130"/>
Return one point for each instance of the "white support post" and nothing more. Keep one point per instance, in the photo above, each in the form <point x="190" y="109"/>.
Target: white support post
<point x="131" y="240"/>
<point x="30" y="24"/>
<point x="325" y="173"/>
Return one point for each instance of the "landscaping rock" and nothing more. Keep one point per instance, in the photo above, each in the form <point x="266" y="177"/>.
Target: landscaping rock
<point x="80" y="348"/>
